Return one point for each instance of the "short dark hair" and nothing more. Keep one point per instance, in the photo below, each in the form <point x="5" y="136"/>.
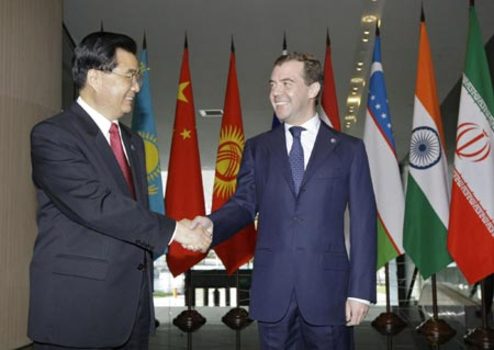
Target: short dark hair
<point x="312" y="67"/>
<point x="97" y="51"/>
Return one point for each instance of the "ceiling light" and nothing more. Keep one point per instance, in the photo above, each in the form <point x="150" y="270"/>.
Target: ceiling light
<point x="369" y="19"/>
<point x="353" y="100"/>
<point x="208" y="113"/>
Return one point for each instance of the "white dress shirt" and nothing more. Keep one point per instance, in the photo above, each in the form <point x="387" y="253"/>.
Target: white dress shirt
<point x="104" y="125"/>
<point x="307" y="137"/>
<point x="102" y="122"/>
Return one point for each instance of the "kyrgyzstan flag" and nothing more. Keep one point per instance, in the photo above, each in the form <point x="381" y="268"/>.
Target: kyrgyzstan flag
<point x="471" y="224"/>
<point x="184" y="196"/>
<point x="239" y="249"/>
<point x="329" y="102"/>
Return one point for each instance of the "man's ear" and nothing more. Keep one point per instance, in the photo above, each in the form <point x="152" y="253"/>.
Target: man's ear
<point x="93" y="79"/>
<point x="314" y="89"/>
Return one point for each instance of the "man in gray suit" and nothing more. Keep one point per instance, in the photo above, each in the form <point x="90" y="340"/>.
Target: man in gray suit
<point x="92" y="261"/>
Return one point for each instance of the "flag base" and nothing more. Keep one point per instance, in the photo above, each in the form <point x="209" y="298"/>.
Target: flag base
<point x="388" y="323"/>
<point x="237" y="319"/>
<point x="189" y="321"/>
<point x="436" y="331"/>
<point x="483" y="338"/>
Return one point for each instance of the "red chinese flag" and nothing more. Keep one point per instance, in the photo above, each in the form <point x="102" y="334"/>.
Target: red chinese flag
<point x="329" y="101"/>
<point x="239" y="249"/>
<point x="184" y="192"/>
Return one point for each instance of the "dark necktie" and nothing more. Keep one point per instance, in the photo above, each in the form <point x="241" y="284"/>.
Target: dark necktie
<point x="116" y="146"/>
<point x="296" y="157"/>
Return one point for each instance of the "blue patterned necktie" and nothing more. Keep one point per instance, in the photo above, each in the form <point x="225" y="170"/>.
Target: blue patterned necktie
<point x="296" y="157"/>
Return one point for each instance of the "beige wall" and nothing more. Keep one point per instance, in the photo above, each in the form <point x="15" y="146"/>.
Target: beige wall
<point x="30" y="90"/>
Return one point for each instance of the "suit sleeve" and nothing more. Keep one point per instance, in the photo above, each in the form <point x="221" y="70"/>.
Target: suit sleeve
<point x="363" y="229"/>
<point x="241" y="209"/>
<point x="67" y="176"/>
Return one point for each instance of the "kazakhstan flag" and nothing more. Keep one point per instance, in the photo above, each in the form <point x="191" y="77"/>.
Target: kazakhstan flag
<point x="143" y="123"/>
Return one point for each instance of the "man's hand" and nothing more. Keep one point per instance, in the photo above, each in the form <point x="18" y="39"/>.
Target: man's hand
<point x="192" y="238"/>
<point x="204" y="222"/>
<point x="355" y="312"/>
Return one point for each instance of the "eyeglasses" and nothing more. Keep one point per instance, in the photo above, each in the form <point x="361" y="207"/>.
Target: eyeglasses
<point x="132" y="77"/>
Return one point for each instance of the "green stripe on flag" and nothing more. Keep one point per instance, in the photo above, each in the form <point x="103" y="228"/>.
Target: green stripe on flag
<point x="476" y="66"/>
<point x="425" y="236"/>
<point x="385" y="249"/>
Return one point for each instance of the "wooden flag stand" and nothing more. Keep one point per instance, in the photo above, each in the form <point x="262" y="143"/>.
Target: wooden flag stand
<point x="388" y="323"/>
<point x="435" y="330"/>
<point x="482" y="337"/>
<point x="237" y="318"/>
<point x="190" y="320"/>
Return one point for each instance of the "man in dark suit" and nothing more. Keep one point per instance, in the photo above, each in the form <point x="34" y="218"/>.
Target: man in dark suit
<point x="299" y="179"/>
<point x="92" y="261"/>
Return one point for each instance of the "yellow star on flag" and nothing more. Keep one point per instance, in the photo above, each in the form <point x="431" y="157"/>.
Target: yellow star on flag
<point x="181" y="88"/>
<point x="185" y="134"/>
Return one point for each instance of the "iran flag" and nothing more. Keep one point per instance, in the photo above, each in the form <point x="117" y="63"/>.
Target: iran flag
<point x="471" y="226"/>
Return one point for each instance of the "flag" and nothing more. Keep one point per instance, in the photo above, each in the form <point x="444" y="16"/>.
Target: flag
<point x="471" y="226"/>
<point x="383" y="163"/>
<point x="143" y="123"/>
<point x="329" y="102"/>
<point x="284" y="52"/>
<point x="427" y="195"/>
<point x="184" y="191"/>
<point x="239" y="249"/>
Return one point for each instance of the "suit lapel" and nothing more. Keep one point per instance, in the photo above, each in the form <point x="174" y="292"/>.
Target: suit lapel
<point x="102" y="149"/>
<point x="135" y="164"/>
<point x="280" y="158"/>
<point x="326" y="141"/>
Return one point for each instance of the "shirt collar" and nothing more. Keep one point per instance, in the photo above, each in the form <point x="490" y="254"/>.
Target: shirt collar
<point x="311" y="126"/>
<point x="102" y="123"/>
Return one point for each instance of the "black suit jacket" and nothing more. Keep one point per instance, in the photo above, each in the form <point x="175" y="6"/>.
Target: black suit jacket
<point x="94" y="240"/>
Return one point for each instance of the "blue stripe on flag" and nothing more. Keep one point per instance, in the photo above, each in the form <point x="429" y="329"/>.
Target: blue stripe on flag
<point x="377" y="102"/>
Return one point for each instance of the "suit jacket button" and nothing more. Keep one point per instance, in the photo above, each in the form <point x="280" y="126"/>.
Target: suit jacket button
<point x="141" y="267"/>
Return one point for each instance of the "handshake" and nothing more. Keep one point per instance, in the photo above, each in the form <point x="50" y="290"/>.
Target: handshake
<point x="196" y="234"/>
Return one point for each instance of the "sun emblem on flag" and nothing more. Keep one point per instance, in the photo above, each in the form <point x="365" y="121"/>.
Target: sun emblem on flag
<point x="152" y="155"/>
<point x="425" y="148"/>
<point x="228" y="162"/>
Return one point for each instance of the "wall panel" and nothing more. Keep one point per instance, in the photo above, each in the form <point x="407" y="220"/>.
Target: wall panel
<point x="30" y="90"/>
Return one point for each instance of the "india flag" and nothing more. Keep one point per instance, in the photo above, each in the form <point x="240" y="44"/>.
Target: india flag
<point x="427" y="195"/>
<point x="383" y="163"/>
<point x="471" y="225"/>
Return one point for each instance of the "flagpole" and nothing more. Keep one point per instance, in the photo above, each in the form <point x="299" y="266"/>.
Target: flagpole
<point x="469" y="232"/>
<point x="412" y="283"/>
<point x="388" y="323"/>
<point x="435" y="330"/>
<point x="482" y="337"/>
<point x="237" y="318"/>
<point x="243" y="242"/>
<point x="184" y="192"/>
<point x="189" y="320"/>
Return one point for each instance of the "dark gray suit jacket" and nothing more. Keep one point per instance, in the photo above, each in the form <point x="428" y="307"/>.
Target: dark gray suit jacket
<point x="94" y="241"/>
